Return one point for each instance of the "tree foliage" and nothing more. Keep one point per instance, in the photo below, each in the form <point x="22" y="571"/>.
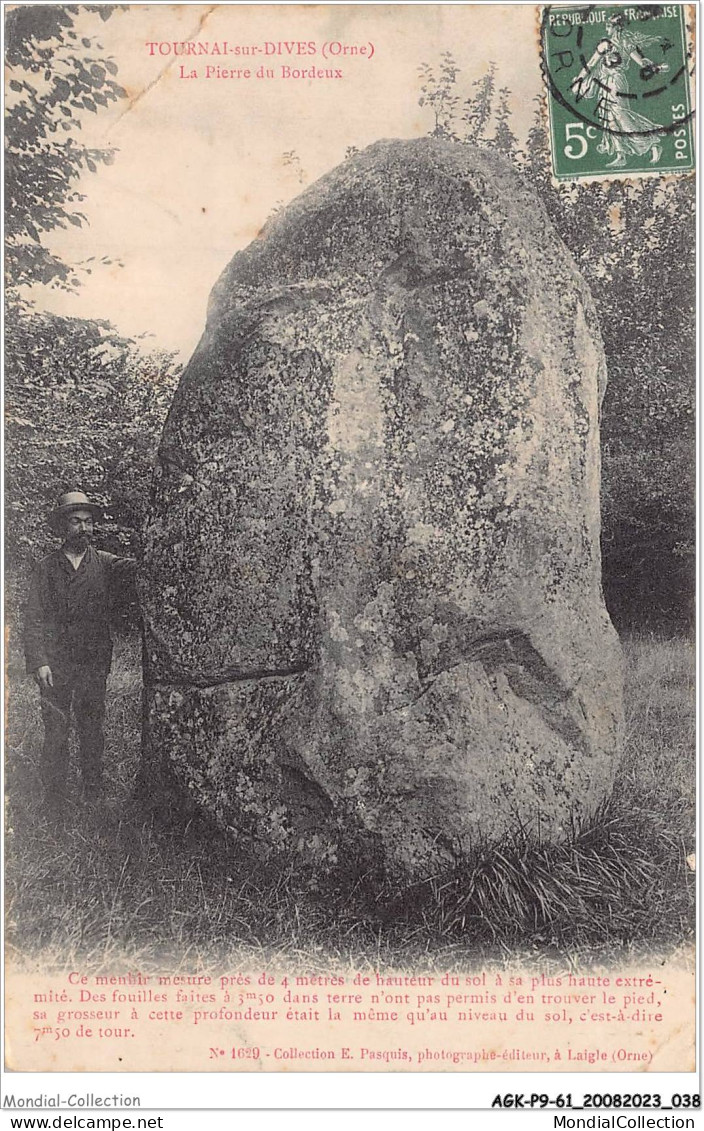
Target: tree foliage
<point x="634" y="243"/>
<point x="84" y="404"/>
<point x="84" y="410"/>
<point x="54" y="78"/>
<point x="477" y="110"/>
<point x="438" y="91"/>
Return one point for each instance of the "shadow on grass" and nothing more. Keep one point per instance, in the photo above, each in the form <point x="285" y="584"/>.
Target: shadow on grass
<point x="114" y="885"/>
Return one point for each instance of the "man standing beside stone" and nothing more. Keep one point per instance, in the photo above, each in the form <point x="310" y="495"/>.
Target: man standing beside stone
<point x="68" y="645"/>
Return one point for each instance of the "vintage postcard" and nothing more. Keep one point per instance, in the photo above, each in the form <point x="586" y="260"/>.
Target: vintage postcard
<point x="349" y="521"/>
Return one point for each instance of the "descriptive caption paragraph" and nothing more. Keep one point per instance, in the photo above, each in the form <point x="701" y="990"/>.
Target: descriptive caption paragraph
<point x="283" y="59"/>
<point x="361" y="1020"/>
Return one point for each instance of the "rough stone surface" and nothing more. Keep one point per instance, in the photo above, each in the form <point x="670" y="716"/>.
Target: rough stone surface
<point x="372" y="596"/>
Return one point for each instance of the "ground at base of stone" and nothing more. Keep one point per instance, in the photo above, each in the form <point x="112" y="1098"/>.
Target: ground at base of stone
<point x="114" y="883"/>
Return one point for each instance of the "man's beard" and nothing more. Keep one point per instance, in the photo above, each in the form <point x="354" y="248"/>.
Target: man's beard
<point x="77" y="542"/>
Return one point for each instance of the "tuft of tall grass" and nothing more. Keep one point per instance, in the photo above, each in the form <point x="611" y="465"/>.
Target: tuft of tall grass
<point x="113" y="885"/>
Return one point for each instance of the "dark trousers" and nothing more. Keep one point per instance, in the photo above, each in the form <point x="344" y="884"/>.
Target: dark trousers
<point x="81" y="687"/>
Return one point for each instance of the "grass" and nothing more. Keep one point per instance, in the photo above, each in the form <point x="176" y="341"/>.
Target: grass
<point x="114" y="887"/>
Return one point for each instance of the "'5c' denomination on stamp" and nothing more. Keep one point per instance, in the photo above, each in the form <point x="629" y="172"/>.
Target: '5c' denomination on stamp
<point x="618" y="89"/>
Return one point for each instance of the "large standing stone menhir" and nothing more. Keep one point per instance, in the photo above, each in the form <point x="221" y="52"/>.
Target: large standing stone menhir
<point x="372" y="597"/>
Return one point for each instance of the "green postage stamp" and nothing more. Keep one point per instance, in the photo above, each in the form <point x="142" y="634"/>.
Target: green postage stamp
<point x="618" y="89"/>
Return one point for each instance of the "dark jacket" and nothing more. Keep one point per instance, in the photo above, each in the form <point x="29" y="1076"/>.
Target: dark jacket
<point x="67" y="618"/>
